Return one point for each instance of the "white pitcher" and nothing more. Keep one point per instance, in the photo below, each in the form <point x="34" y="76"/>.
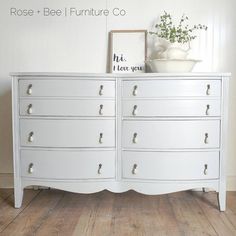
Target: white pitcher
<point x="167" y="50"/>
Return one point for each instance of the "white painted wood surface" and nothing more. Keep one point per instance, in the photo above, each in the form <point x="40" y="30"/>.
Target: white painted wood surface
<point x="170" y="165"/>
<point x="66" y="88"/>
<point x="171" y="107"/>
<point x="69" y="45"/>
<point x="176" y="145"/>
<point x="67" y="107"/>
<point x="193" y="87"/>
<point x="171" y="134"/>
<point x="68" y="164"/>
<point x="67" y="133"/>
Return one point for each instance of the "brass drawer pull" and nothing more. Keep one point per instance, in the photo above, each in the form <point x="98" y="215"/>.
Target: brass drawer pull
<point x="31" y="169"/>
<point x="100" y="138"/>
<point x="206" y="138"/>
<point x="101" y="110"/>
<point x="134" y="170"/>
<point x="101" y="90"/>
<point x="205" y="169"/>
<point x="135" y="90"/>
<point x="135" y="139"/>
<point x="207" y="110"/>
<point x="134" y="113"/>
<point x="31" y="137"/>
<point x="29" y="89"/>
<point x="99" y="169"/>
<point x="30" y="109"/>
<point x="208" y="89"/>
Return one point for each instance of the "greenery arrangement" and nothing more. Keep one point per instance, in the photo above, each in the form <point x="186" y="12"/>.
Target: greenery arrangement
<point x="182" y="33"/>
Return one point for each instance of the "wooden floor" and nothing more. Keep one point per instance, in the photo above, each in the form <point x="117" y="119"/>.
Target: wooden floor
<point x="54" y="212"/>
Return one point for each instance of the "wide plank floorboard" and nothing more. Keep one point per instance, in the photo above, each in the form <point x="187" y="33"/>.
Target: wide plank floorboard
<point x="231" y="208"/>
<point x="55" y="212"/>
<point x="189" y="215"/>
<point x="34" y="214"/>
<point x="96" y="215"/>
<point x="64" y="218"/>
<point x="218" y="220"/>
<point x="8" y="213"/>
<point x="5" y="193"/>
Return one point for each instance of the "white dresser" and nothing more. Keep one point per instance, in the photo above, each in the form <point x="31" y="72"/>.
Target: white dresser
<point x="153" y="133"/>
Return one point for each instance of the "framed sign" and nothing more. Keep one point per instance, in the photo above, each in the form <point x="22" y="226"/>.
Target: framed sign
<point x="128" y="51"/>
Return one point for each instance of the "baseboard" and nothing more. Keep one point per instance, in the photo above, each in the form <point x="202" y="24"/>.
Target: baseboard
<point x="6" y="181"/>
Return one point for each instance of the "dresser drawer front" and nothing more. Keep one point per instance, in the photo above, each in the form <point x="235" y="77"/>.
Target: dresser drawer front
<point x="67" y="133"/>
<point x="141" y="108"/>
<point x="68" y="164"/>
<point x="170" y="165"/>
<point x="171" y="134"/>
<point x="67" y="88"/>
<point x="66" y="107"/>
<point x="171" y="88"/>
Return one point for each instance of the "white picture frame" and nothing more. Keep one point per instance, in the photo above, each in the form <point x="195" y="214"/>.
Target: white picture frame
<point x="128" y="51"/>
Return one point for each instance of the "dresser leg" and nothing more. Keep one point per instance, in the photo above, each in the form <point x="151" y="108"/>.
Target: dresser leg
<point x="18" y="195"/>
<point x="222" y="200"/>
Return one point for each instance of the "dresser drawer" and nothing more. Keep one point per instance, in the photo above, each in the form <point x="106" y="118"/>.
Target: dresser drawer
<point x="170" y="165"/>
<point x="139" y="108"/>
<point x="66" y="88"/>
<point x="67" y="107"/>
<point x="67" y="164"/>
<point x="67" y="133"/>
<point x="171" y="88"/>
<point x="171" y="134"/>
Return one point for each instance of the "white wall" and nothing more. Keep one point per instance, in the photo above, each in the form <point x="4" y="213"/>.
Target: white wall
<point x="81" y="44"/>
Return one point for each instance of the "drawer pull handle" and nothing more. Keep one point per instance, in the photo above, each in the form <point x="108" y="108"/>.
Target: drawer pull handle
<point x="206" y="138"/>
<point x="101" y="90"/>
<point x="134" y="170"/>
<point x="207" y="109"/>
<point x="30" y="109"/>
<point x="100" y="138"/>
<point x="31" y="169"/>
<point x="208" y="89"/>
<point x="135" y="90"/>
<point x="31" y="137"/>
<point x="134" y="113"/>
<point x="205" y="169"/>
<point x="135" y="139"/>
<point x="29" y="89"/>
<point x="101" y="110"/>
<point x="99" y="169"/>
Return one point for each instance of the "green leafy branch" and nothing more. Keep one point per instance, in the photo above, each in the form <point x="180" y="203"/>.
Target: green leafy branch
<point x="181" y="33"/>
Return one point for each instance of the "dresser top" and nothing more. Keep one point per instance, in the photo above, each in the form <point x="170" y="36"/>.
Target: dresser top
<point x="121" y="75"/>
